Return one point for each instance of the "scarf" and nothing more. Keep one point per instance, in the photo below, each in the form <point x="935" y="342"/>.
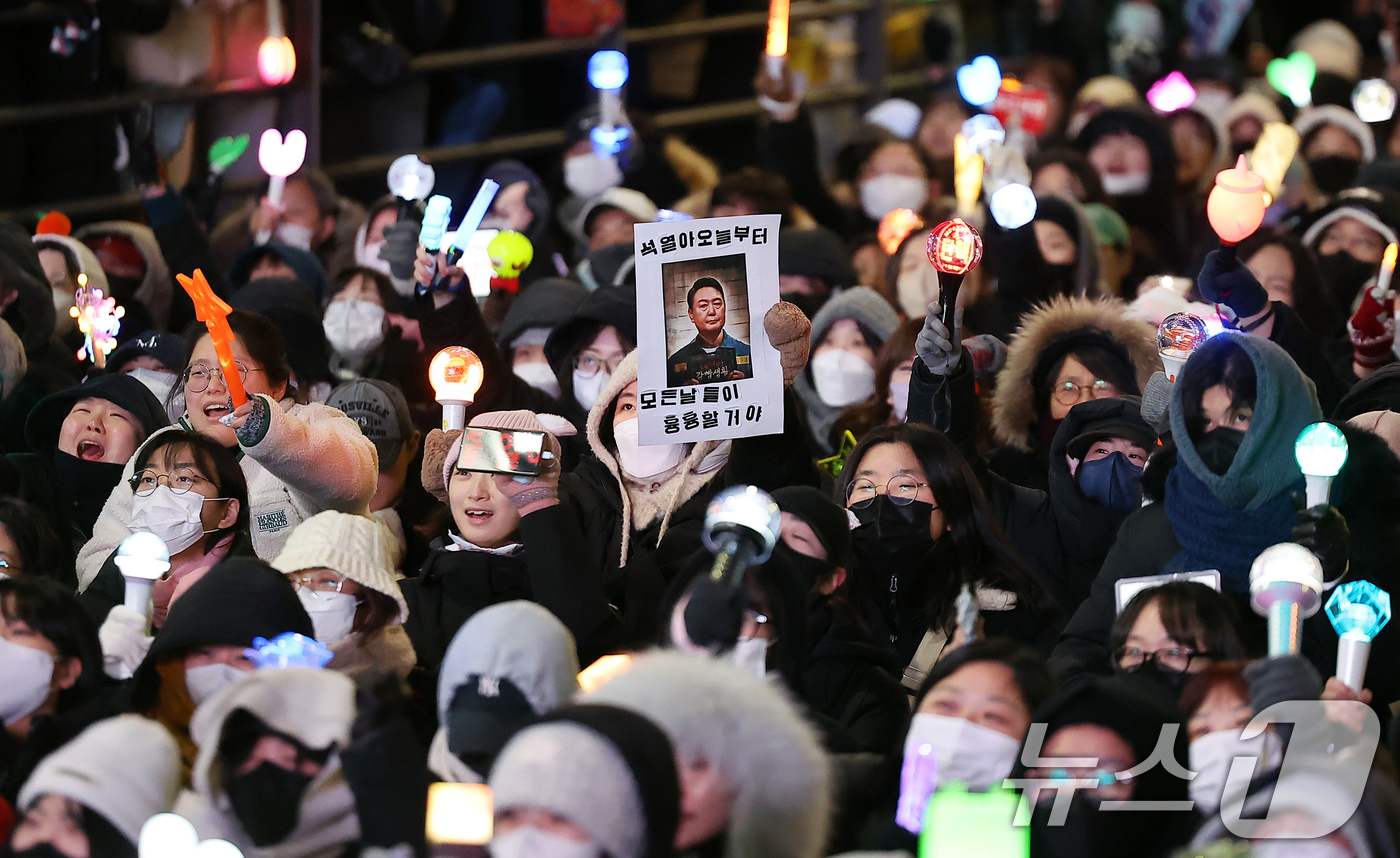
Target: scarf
<point x="1215" y="535"/>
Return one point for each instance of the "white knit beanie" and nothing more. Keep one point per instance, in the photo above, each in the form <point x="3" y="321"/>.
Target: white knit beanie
<point x="356" y="546"/>
<point x="1332" y="114"/>
<point x="127" y="769"/>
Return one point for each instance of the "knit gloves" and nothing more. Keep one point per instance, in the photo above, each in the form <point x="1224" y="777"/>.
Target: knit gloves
<point x="441" y="449"/>
<point x="790" y="332"/>
<point x="436" y="469"/>
<point x="1372" y="328"/>
<point x="938" y="348"/>
<point x="1225" y="280"/>
<point x="124" y="642"/>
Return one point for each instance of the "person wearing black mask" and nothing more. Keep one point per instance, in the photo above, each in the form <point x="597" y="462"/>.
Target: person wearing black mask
<point x="1350" y="236"/>
<point x="1169" y="633"/>
<point x="1336" y="144"/>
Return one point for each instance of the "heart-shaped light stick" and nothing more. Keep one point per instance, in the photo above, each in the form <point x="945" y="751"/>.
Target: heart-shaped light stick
<point x="213" y="312"/>
<point x="170" y="835"/>
<point x="279" y="159"/>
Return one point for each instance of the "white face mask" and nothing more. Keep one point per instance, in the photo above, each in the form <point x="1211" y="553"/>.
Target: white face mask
<point x="1125" y="184"/>
<point x="883" y="194"/>
<point x="899" y="391"/>
<point x="538" y="375"/>
<point x="332" y="614"/>
<point x="587" y="387"/>
<point x="978" y="756"/>
<point x="642" y="462"/>
<point x="751" y="654"/>
<point x="369" y="258"/>
<point x="589" y="175"/>
<point x="842" y="378"/>
<point x="157" y="382"/>
<point x="354" y="328"/>
<point x="26" y="677"/>
<point x="529" y="842"/>
<point x="174" y="518"/>
<point x="207" y="680"/>
<point x="293" y="235"/>
<point x="1211" y="757"/>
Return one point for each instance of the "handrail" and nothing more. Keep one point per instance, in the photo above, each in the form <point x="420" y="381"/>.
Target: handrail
<point x="34" y="113"/>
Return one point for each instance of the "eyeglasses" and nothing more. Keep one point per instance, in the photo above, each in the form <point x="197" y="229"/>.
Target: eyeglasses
<point x="1175" y="659"/>
<point x="589" y="365"/>
<point x="180" y="482"/>
<point x="1069" y="393"/>
<point x="900" y="490"/>
<point x="197" y="377"/>
<point x="1101" y="777"/>
<point x="321" y="584"/>
<point x="758" y="618"/>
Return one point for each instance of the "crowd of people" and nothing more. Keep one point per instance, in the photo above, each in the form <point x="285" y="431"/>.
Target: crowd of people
<point x="1016" y="544"/>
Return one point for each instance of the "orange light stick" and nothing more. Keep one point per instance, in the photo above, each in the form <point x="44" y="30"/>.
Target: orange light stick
<point x="213" y="312"/>
<point x="777" y="44"/>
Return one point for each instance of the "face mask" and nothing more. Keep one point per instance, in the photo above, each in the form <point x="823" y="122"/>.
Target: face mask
<point x="842" y="378"/>
<point x="1345" y="274"/>
<point x="1112" y="481"/>
<point x="207" y="680"/>
<point x="1169" y="681"/>
<point x="293" y="235"/>
<point x="809" y="569"/>
<point x="642" y="462"/>
<point x="967" y="752"/>
<point x="529" y="842"/>
<point x="587" y="387"/>
<point x="26" y="676"/>
<point x="1211" y="757"/>
<point x="1333" y="173"/>
<point x="354" y="328"/>
<point x="267" y="801"/>
<point x="899" y="390"/>
<point x="369" y="258"/>
<point x="539" y="376"/>
<point x="157" y="382"/>
<point x="332" y="614"/>
<point x="883" y="194"/>
<point x="1218" y="448"/>
<point x="589" y="175"/>
<point x="1125" y="184"/>
<point x="887" y="526"/>
<point x="751" y="654"/>
<point x="174" y="518"/>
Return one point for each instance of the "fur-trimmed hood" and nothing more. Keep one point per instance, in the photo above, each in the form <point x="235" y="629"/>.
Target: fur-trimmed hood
<point x="156" y="289"/>
<point x="643" y="501"/>
<point x="1014" y="415"/>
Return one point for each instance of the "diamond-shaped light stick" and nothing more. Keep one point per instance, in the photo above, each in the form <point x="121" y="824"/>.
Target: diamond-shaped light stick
<point x="1358" y="611"/>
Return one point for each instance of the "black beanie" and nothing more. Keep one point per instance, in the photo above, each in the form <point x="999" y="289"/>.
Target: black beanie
<point x="828" y="520"/>
<point x="1057" y="211"/>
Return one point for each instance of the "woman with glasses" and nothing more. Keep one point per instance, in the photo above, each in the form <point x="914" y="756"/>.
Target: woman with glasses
<point x="297" y="458"/>
<point x="925" y="529"/>
<point x="29" y="546"/>
<point x="189" y="491"/>
<point x="1169" y="633"/>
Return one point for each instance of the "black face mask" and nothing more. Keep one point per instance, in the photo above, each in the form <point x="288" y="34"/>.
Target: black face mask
<point x="267" y="801"/>
<point x="1344" y="274"/>
<point x="886" y="527"/>
<point x="1217" y="449"/>
<point x="42" y="850"/>
<point x="811" y="570"/>
<point x="1169" y="681"/>
<point x="808" y="304"/>
<point x="1333" y="174"/>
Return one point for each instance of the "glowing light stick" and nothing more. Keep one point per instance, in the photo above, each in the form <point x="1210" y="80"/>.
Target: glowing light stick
<point x="170" y="835"/>
<point x="895" y="227"/>
<point x="481" y="203"/>
<point x="213" y="312"/>
<point x="1373" y="100"/>
<point x="1358" y="611"/>
<point x="410" y="180"/>
<point x="1171" y="93"/>
<point x="510" y="254"/>
<point x="279" y="159"/>
<point x="1321" y="450"/>
<point x="968" y="168"/>
<point x="954" y="248"/>
<point x="277" y="59"/>
<point x="982" y="131"/>
<point x="607" y="72"/>
<point x="918" y="778"/>
<point x="99" y="318"/>
<point x="1272" y="154"/>
<point x="1236" y="205"/>
<point x="142" y="558"/>
<point x="456" y="375"/>
<point x="1387" y="269"/>
<point x="1293" y="76"/>
<point x="288" y="649"/>
<point x="775" y="51"/>
<point x="1178" y="336"/>
<point x="602" y="670"/>
<point x="979" y="81"/>
<point x="1013" y="206"/>
<point x="460" y="814"/>
<point x="961" y="824"/>
<point x="1285" y="585"/>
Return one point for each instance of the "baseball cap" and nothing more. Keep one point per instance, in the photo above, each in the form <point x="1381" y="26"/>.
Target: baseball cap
<point x="485" y="712"/>
<point x="1125" y="423"/>
<point x="634" y="203"/>
<point x="382" y="413"/>
<point x="165" y="347"/>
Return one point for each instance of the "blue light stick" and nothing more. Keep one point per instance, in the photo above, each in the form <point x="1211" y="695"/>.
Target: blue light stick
<point x="472" y="219"/>
<point x="288" y="649"/>
<point x="435" y="218"/>
<point x="1358" y="611"/>
<point x="608" y="72"/>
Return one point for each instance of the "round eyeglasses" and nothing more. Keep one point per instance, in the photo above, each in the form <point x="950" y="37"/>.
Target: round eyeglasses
<point x="900" y="490"/>
<point x="198" y="376"/>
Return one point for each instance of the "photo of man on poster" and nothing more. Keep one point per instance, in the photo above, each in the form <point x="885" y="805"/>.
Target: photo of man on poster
<point x="714" y="355"/>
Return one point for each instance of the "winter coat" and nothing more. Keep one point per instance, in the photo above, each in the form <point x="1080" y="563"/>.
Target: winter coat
<point x="47" y="734"/>
<point x="1022" y="457"/>
<point x="157" y="289"/>
<point x="853" y="685"/>
<point x="311" y="458"/>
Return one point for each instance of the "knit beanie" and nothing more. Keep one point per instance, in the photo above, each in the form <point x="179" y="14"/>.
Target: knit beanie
<point x="127" y="769"/>
<point x="866" y="306"/>
<point x="827" y="520"/>
<point x="1331" y="114"/>
<point x="1253" y="104"/>
<point x="524" y="421"/>
<point x="356" y="546"/>
<point x="1333" y="47"/>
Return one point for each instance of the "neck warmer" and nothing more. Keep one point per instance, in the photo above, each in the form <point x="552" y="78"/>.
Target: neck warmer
<point x="84" y="486"/>
<point x="1216" y="535"/>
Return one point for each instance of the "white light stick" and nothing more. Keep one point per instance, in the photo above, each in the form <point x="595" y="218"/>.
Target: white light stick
<point x="279" y="159"/>
<point x="1285" y="585"/>
<point x="1321" y="450"/>
<point x="142" y="559"/>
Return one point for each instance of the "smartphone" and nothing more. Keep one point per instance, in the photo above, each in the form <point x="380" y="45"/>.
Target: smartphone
<point x="498" y="451"/>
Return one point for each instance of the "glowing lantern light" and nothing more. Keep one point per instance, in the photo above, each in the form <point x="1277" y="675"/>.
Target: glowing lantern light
<point x="979" y="81"/>
<point x="1293" y="76"/>
<point x="1321" y="451"/>
<point x="460" y="814"/>
<point x="1013" y="206"/>
<point x="277" y="60"/>
<point x="1235" y="207"/>
<point x="895" y="227"/>
<point x="954" y="248"/>
<point x="1285" y="585"/>
<point x="600" y="671"/>
<point x="1171" y="93"/>
<point x="1358" y="611"/>
<point x="1272" y="155"/>
<point x="1178" y="336"/>
<point x="608" y="71"/>
<point x="1373" y="100"/>
<point x="456" y="375"/>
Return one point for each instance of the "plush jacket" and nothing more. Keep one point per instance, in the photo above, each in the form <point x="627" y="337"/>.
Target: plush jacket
<point x="387" y="649"/>
<point x="311" y="458"/>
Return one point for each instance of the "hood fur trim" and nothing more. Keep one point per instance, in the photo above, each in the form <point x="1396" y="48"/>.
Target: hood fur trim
<point x="1013" y="405"/>
<point x="642" y="503"/>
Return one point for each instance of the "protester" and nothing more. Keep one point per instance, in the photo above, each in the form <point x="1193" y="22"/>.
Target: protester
<point x="29" y="546"/>
<point x="847" y="333"/>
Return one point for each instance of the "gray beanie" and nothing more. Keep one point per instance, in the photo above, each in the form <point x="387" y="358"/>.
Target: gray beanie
<point x="572" y="771"/>
<point x="863" y="304"/>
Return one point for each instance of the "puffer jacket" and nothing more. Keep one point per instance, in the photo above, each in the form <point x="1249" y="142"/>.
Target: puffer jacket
<point x="311" y="458"/>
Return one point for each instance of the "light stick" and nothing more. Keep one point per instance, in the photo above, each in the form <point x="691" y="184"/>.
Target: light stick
<point x="895" y="227"/>
<point x="608" y="71"/>
<point x="983" y="130"/>
<point x="968" y="168"/>
<point x="979" y="81"/>
<point x="481" y="203"/>
<point x="1285" y="585"/>
<point x="1273" y="153"/>
<point x="213" y="312"/>
<point x="1358" y="611"/>
<point x="410" y="180"/>
<point x="99" y="319"/>
<point x="277" y="59"/>
<point x="460" y="814"/>
<point x="775" y="51"/>
<point x="456" y="375"/>
<point x="1293" y="76"/>
<point x="1013" y="205"/>
<point x="954" y="248"/>
<point x="1387" y="269"/>
<point x="1321" y="450"/>
<point x="602" y="670"/>
<point x="1236" y="205"/>
<point x="279" y="159"/>
<point x="170" y="835"/>
<point x="510" y="253"/>
<point x="435" y="217"/>
<point x="962" y="824"/>
<point x="1178" y="336"/>
<point x="1171" y="93"/>
<point x="288" y="649"/>
<point x="1373" y="100"/>
<point x="142" y="558"/>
